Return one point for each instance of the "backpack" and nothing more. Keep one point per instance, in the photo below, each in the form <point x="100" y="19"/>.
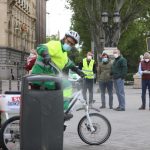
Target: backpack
<point x="30" y="62"/>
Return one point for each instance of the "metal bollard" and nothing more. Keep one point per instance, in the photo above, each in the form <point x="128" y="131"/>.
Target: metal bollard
<point x="0" y="86"/>
<point x="9" y="84"/>
<point x="18" y="84"/>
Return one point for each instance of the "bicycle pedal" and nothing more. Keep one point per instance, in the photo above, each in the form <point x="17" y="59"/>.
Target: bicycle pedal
<point x="67" y="116"/>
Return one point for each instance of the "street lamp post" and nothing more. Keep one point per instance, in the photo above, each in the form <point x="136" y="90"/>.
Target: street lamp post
<point x="110" y="26"/>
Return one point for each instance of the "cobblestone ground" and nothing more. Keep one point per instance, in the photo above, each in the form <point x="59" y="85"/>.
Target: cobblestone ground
<point x="130" y="129"/>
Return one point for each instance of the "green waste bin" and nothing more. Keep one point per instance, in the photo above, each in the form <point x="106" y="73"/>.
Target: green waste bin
<point x="42" y="117"/>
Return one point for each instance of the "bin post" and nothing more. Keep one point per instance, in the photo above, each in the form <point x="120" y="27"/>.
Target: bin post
<point x="9" y="84"/>
<point x="18" y="84"/>
<point x="42" y="117"/>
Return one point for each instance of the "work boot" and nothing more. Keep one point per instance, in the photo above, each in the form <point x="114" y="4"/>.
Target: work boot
<point x="102" y="107"/>
<point x="110" y="107"/>
<point x="142" y="108"/>
<point x="92" y="102"/>
<point x="120" y="109"/>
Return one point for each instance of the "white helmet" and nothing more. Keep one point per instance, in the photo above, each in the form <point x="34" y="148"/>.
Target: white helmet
<point x="74" y="35"/>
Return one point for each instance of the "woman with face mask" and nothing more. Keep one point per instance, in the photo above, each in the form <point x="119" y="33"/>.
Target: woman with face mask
<point x="144" y="70"/>
<point x="105" y="80"/>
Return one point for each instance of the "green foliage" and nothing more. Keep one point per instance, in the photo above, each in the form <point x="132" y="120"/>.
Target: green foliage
<point x="80" y="22"/>
<point x="135" y="22"/>
<point x="75" y="56"/>
<point x="132" y="44"/>
<point x="129" y="77"/>
<point x="52" y="37"/>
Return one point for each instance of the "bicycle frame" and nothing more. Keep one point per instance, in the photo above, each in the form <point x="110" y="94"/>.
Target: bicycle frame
<point x="83" y="105"/>
<point x="78" y="97"/>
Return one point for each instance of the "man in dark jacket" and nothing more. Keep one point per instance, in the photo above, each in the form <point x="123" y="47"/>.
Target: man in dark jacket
<point x="119" y="71"/>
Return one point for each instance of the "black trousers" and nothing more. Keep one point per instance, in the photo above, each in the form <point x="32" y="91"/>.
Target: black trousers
<point x="88" y="85"/>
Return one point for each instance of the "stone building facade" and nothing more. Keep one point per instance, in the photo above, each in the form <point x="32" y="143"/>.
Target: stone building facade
<point x="17" y="35"/>
<point x="23" y="27"/>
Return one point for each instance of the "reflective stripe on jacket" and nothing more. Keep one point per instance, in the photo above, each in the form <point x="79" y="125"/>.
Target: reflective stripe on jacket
<point x="88" y="69"/>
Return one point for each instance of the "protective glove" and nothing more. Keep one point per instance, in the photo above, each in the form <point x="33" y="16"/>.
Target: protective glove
<point x="46" y="58"/>
<point x="82" y="74"/>
<point x="78" y="71"/>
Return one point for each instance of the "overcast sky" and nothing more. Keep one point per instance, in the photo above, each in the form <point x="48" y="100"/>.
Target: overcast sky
<point x="58" y="17"/>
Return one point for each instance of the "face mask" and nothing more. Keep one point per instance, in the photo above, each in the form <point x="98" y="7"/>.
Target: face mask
<point x="67" y="47"/>
<point x="104" y="60"/>
<point x="116" y="55"/>
<point x="147" y="60"/>
<point x="89" y="57"/>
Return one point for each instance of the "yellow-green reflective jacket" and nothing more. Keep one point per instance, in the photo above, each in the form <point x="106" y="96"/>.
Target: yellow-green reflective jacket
<point x="58" y="57"/>
<point x="67" y="88"/>
<point x="88" y="69"/>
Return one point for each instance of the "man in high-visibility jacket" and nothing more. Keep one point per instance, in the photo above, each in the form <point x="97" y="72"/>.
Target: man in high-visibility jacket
<point x="88" y="66"/>
<point x="56" y="52"/>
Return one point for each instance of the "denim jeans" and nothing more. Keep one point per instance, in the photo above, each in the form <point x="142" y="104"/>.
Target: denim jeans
<point x="119" y="87"/>
<point x="145" y="85"/>
<point x="109" y="85"/>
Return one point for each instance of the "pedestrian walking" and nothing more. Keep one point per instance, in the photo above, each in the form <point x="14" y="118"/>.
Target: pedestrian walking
<point x="144" y="70"/>
<point x="88" y="66"/>
<point x="119" y="71"/>
<point x="105" y="80"/>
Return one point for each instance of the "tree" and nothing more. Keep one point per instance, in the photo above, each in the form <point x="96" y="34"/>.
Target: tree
<point x="87" y="17"/>
<point x="132" y="43"/>
<point x="52" y="37"/>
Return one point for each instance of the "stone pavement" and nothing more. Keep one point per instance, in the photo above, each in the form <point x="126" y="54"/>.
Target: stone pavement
<point x="130" y="129"/>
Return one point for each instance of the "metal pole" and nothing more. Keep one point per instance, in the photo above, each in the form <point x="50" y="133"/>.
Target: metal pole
<point x="18" y="84"/>
<point x="0" y="86"/>
<point x="9" y="84"/>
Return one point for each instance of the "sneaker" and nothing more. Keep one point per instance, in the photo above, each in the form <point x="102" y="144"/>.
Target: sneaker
<point x="67" y="116"/>
<point x="119" y="109"/>
<point x="102" y="107"/>
<point x="141" y="108"/>
<point x="92" y="102"/>
<point x="116" y="108"/>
